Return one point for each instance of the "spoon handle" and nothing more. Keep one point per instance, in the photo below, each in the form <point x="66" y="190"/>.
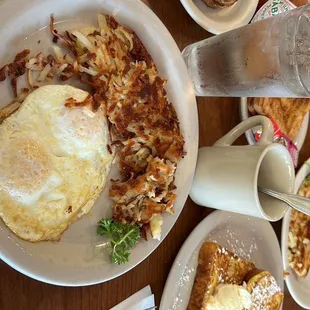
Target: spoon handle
<point x="301" y="204"/>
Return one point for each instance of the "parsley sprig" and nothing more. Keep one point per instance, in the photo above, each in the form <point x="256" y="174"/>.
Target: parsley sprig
<point x="123" y="238"/>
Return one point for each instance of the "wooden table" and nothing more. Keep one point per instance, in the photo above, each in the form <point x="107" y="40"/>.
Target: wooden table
<point x="216" y="117"/>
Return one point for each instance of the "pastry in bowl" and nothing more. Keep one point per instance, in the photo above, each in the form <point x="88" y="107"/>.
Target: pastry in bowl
<point x="225" y="281"/>
<point x="218" y="4"/>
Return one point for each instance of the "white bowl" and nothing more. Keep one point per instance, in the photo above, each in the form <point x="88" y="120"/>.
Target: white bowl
<point x="299" y="287"/>
<point x="74" y="261"/>
<point x="221" y="20"/>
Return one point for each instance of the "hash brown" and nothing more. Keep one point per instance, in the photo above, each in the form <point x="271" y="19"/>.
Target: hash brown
<point x="299" y="237"/>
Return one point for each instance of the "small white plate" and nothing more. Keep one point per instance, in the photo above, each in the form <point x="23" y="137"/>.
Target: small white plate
<point x="298" y="287"/>
<point x="218" y="21"/>
<point x="249" y="237"/>
<point x="75" y="260"/>
<point x="299" y="139"/>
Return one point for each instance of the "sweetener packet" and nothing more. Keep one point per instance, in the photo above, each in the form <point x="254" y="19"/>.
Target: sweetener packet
<point x="280" y="137"/>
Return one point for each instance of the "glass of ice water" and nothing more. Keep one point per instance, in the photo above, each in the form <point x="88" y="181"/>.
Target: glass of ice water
<point x="269" y="58"/>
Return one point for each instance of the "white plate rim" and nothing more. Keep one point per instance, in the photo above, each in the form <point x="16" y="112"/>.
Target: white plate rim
<point x="191" y="243"/>
<point x="216" y="27"/>
<point x="193" y="145"/>
<point x="296" y="294"/>
<point x="299" y="139"/>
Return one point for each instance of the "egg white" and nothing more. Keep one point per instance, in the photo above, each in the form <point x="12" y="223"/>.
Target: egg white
<point x="54" y="163"/>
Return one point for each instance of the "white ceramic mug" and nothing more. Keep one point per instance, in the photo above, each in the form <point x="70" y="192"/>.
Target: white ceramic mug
<point x="227" y="177"/>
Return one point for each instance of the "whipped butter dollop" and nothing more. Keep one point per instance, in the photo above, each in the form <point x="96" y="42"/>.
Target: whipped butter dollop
<point x="230" y="297"/>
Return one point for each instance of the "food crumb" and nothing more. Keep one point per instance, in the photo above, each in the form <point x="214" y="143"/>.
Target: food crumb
<point x="109" y="149"/>
<point x="39" y="41"/>
<point x="286" y="274"/>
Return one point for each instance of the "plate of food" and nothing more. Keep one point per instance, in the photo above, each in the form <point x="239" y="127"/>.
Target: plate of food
<point x="99" y="137"/>
<point x="229" y="261"/>
<point x="296" y="244"/>
<point x="218" y="16"/>
<point x="290" y="114"/>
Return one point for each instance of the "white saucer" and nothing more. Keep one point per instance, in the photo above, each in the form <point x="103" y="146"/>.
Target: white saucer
<point x="221" y="20"/>
<point x="299" y="288"/>
<point x="250" y="238"/>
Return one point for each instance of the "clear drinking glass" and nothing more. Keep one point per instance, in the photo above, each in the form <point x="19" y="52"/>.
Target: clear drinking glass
<point x="269" y="58"/>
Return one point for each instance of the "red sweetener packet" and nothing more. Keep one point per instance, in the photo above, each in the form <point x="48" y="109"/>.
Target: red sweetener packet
<point x="280" y="137"/>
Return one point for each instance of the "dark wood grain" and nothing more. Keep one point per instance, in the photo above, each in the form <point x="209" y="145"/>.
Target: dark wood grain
<point x="216" y="117"/>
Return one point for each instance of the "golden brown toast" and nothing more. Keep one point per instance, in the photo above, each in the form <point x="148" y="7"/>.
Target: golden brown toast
<point x="265" y="292"/>
<point x="216" y="265"/>
<point x="288" y="113"/>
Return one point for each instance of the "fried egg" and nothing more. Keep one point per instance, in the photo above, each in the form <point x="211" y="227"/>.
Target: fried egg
<point x="54" y="163"/>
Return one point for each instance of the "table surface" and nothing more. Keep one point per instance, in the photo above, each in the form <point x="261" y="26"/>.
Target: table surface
<point x="216" y="117"/>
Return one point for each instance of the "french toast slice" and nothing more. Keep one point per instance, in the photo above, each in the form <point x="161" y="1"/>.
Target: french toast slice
<point x="288" y="113"/>
<point x="265" y="292"/>
<point x="253" y="277"/>
<point x="216" y="265"/>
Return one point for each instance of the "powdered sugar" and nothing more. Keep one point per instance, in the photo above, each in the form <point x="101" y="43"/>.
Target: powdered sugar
<point x="188" y="273"/>
<point x="261" y="294"/>
<point x="176" y="302"/>
<point x="234" y="240"/>
<point x="185" y="283"/>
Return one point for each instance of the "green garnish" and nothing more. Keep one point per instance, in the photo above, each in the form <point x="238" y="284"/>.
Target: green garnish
<point x="307" y="179"/>
<point x="123" y="238"/>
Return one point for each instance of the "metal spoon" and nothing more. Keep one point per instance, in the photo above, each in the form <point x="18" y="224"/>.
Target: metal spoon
<point x="296" y="202"/>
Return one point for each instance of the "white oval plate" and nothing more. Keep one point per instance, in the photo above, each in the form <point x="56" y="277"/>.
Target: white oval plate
<point x="299" y="288"/>
<point x="74" y="261"/>
<point x="299" y="139"/>
<point x="218" y="21"/>
<point x="249" y="237"/>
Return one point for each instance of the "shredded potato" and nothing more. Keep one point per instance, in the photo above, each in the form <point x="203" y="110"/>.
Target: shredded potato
<point x="46" y="70"/>
<point x="83" y="39"/>
<point x="8" y="110"/>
